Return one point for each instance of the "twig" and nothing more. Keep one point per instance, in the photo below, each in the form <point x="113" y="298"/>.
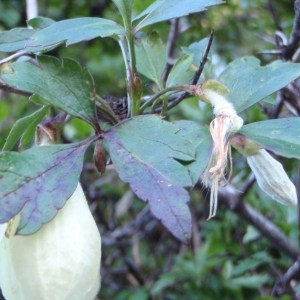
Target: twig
<point x="152" y="99"/>
<point x="295" y="35"/>
<point x="233" y="199"/>
<point x="274" y="15"/>
<point x="10" y="89"/>
<point x="247" y="184"/>
<point x="289" y="49"/>
<point x="283" y="283"/>
<point x="204" y="59"/>
<point x="173" y="36"/>
<point x="11" y="57"/>
<point x="198" y="73"/>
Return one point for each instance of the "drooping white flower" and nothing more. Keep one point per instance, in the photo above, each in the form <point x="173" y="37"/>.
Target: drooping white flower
<point x="272" y="178"/>
<point x="61" y="261"/>
<point x="225" y="123"/>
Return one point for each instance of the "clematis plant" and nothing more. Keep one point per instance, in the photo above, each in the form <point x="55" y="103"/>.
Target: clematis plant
<point x="159" y="159"/>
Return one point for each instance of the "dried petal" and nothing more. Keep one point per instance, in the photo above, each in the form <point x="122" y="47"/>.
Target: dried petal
<point x="222" y="127"/>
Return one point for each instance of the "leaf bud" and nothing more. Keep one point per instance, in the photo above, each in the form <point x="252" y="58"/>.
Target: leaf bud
<point x="100" y="157"/>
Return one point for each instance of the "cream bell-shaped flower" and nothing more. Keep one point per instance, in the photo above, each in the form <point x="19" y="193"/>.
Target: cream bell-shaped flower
<point x="61" y="261"/>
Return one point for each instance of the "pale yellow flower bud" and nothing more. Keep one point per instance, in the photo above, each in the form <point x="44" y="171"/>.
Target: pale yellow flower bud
<point x="272" y="178"/>
<point x="61" y="261"/>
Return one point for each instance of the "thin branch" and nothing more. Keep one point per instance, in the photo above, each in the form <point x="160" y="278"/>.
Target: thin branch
<point x="274" y="15"/>
<point x="204" y="59"/>
<point x="10" y="89"/>
<point x="289" y="48"/>
<point x="233" y="199"/>
<point x="171" y="45"/>
<point x="278" y="107"/>
<point x="247" y="184"/>
<point x="283" y="283"/>
<point x="11" y="57"/>
<point x="295" y="35"/>
<point x="152" y="99"/>
<point x="195" y="80"/>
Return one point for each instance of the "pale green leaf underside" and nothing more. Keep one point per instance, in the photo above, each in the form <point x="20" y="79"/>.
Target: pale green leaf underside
<point x="249" y="82"/>
<point x="70" y="31"/>
<point x="152" y="58"/>
<point x="14" y="39"/>
<point x="162" y="10"/>
<point x="281" y="136"/>
<point x="181" y="72"/>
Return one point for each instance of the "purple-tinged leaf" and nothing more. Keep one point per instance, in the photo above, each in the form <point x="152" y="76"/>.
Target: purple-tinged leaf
<point x="153" y="156"/>
<point x="168" y="202"/>
<point x="37" y="182"/>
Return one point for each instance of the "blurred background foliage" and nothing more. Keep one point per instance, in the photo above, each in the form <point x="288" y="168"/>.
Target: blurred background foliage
<point x="229" y="258"/>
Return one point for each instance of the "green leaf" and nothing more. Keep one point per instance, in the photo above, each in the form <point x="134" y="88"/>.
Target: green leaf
<point x="147" y="153"/>
<point x="70" y="31"/>
<point x="63" y="84"/>
<point x="250" y="281"/>
<point x="281" y="136"/>
<point x="37" y="182"/>
<point x="181" y="72"/>
<point x="248" y="82"/>
<point x="250" y="263"/>
<point x="162" y="10"/>
<point x="165" y="281"/>
<point x="200" y="137"/>
<point x="151" y="57"/>
<point x="73" y="31"/>
<point x="125" y="9"/>
<point x="14" y="39"/>
<point x="197" y="49"/>
<point x="25" y="127"/>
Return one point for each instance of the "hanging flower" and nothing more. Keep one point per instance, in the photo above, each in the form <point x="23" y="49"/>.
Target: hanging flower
<point x="61" y="261"/>
<point x="225" y="123"/>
